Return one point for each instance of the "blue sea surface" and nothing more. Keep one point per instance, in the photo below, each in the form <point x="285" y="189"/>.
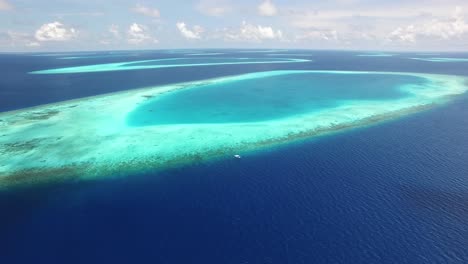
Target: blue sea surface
<point x="394" y="192"/>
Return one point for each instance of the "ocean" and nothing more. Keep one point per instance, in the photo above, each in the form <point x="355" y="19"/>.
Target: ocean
<point x="391" y="192"/>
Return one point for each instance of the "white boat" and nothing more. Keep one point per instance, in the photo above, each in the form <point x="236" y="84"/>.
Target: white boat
<point x="237" y="156"/>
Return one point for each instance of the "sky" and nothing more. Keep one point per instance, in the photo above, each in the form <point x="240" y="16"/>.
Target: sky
<point x="74" y="25"/>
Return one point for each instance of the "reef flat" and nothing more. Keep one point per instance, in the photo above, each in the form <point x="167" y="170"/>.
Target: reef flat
<point x="82" y="57"/>
<point x="91" y="137"/>
<point x="205" y="54"/>
<point x="442" y="59"/>
<point x="164" y="63"/>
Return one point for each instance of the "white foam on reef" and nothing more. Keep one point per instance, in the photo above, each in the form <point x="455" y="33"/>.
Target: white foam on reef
<point x="130" y="65"/>
<point x="98" y="56"/>
<point x="442" y="59"/>
<point x="56" y="54"/>
<point x="89" y="137"/>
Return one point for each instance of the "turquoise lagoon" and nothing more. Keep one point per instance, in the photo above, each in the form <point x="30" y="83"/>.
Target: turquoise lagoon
<point x="277" y="95"/>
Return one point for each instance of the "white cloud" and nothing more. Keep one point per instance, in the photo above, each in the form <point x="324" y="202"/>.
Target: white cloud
<point x="194" y="33"/>
<point x="105" y="42"/>
<point x="253" y="33"/>
<point x="138" y="34"/>
<point x="317" y="34"/>
<point x="114" y="30"/>
<point x="390" y="10"/>
<point x="395" y="26"/>
<point x="33" y="44"/>
<point x="19" y="39"/>
<point x="310" y="19"/>
<point x="146" y="11"/>
<point x="213" y="7"/>
<point x="112" y="36"/>
<point x="440" y="29"/>
<point x="85" y="14"/>
<point x="54" y="31"/>
<point x="407" y="34"/>
<point x="5" y="5"/>
<point x="267" y="8"/>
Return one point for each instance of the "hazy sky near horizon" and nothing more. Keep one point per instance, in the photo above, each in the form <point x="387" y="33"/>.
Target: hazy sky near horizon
<point x="54" y="25"/>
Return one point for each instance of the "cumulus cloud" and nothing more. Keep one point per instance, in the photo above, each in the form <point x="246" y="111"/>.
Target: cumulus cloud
<point x="5" y="5"/>
<point x="267" y="8"/>
<point x="114" y="30"/>
<point x="146" y="11"/>
<point x="33" y="44"/>
<point x="112" y="35"/>
<point x="138" y="34"/>
<point x="194" y="33"/>
<point x="213" y="7"/>
<point x="406" y="34"/>
<point x="19" y="39"/>
<point x="253" y="33"/>
<point x="441" y="29"/>
<point x="105" y="42"/>
<point x="310" y="19"/>
<point x="54" y="31"/>
<point x="318" y="34"/>
<point x="84" y="14"/>
<point x="397" y="26"/>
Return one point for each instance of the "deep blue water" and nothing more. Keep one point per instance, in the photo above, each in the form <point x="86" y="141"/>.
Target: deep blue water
<point x="396" y="192"/>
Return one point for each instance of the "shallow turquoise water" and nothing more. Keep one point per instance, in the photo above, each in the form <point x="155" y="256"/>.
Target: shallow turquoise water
<point x="442" y="59"/>
<point x="165" y="63"/>
<point x="267" y="98"/>
<point x="172" y="61"/>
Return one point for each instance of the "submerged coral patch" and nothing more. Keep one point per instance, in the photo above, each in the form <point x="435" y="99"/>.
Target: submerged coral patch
<point x="164" y="63"/>
<point x="442" y="59"/>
